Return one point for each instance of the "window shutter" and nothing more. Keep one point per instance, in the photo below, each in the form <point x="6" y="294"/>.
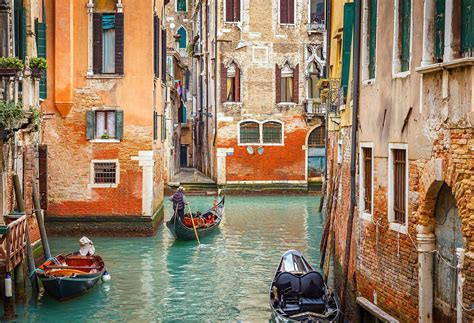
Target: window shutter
<point x="405" y="26"/>
<point x="291" y="12"/>
<point x="119" y="44"/>
<point x="41" y="44"/>
<point x="97" y="42"/>
<point x="236" y="10"/>
<point x="156" y="45"/>
<point x="223" y="83"/>
<point x="163" y="55"/>
<point x="43" y="175"/>
<point x="296" y="79"/>
<point x="372" y="37"/>
<point x="237" y="84"/>
<point x="229" y="10"/>
<point x="90" y="124"/>
<point x="347" y="44"/>
<point x="155" y="125"/>
<point x="119" y="124"/>
<point x="439" y="29"/>
<point x="277" y="84"/>
<point x="284" y="11"/>
<point x="467" y="27"/>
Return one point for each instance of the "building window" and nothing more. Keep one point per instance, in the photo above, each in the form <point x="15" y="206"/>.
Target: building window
<point x="182" y="37"/>
<point x="370" y="38"/>
<point x="108" y="43"/>
<point x="316" y="138"/>
<point x="104" y="173"/>
<point x="249" y="132"/>
<point x="313" y="78"/>
<point x="467" y="28"/>
<point x="439" y="29"/>
<point x="233" y="83"/>
<point x="317" y="14"/>
<point x="287" y="84"/>
<point x="398" y="187"/>
<point x="272" y="132"/>
<point x="347" y="45"/>
<point x="232" y="10"/>
<point x="181" y="6"/>
<point x="366" y="177"/>
<point x="402" y="35"/>
<point x="104" y="125"/>
<point x="287" y="12"/>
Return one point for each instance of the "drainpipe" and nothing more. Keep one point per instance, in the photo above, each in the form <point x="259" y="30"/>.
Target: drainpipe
<point x="328" y="55"/>
<point x="215" y="73"/>
<point x="355" y="108"/>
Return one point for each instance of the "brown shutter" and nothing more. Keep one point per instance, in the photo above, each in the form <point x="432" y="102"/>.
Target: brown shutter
<point x="156" y="45"/>
<point x="163" y="56"/>
<point x="229" y="10"/>
<point x="296" y="79"/>
<point x="223" y="83"/>
<point x="236" y="10"/>
<point x="291" y="12"/>
<point x="97" y="43"/>
<point x="283" y="11"/>
<point x="237" y="84"/>
<point x="119" y="45"/>
<point x="43" y="175"/>
<point x="278" y="83"/>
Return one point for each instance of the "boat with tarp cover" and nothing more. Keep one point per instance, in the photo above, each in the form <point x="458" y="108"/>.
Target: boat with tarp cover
<point x="300" y="294"/>
<point x="205" y="223"/>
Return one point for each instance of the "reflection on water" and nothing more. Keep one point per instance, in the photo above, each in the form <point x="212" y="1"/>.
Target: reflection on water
<point x="226" y="278"/>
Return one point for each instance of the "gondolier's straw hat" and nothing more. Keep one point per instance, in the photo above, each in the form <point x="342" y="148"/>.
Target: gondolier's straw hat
<point x="86" y="246"/>
<point x="181" y="189"/>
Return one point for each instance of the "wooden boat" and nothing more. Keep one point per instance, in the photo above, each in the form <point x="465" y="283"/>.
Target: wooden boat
<point x="182" y="232"/>
<point x="300" y="294"/>
<point x="66" y="276"/>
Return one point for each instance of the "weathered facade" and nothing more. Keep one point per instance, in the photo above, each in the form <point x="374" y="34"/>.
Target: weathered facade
<point x="105" y="100"/>
<point x="412" y="246"/>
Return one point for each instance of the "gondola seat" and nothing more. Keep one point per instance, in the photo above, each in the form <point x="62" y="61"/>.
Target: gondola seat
<point x="288" y="287"/>
<point x="312" y="292"/>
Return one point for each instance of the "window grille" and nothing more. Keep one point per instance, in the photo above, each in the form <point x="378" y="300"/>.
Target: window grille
<point x="367" y="154"/>
<point x="272" y="133"/>
<point x="105" y="173"/>
<point x="316" y="138"/>
<point x="399" y="182"/>
<point x="249" y="133"/>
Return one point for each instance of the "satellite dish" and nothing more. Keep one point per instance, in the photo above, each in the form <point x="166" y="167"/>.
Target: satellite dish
<point x="260" y="150"/>
<point x="250" y="150"/>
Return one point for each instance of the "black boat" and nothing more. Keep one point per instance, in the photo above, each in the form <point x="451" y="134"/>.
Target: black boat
<point x="300" y="294"/>
<point x="181" y="231"/>
<point x="67" y="276"/>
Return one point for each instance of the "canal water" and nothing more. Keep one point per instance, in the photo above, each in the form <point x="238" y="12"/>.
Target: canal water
<point x="227" y="278"/>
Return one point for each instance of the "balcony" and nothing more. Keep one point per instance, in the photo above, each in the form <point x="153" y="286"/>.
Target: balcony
<point x="314" y="109"/>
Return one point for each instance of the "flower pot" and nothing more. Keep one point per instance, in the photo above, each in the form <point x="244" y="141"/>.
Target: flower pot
<point x="37" y="73"/>
<point x="8" y="72"/>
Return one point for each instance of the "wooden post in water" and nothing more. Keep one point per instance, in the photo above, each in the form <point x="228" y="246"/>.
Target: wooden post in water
<point x="40" y="220"/>
<point x="20" y="288"/>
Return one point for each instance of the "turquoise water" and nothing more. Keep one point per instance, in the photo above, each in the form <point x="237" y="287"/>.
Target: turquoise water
<point x="225" y="279"/>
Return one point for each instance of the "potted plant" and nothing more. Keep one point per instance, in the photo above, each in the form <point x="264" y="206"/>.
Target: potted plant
<point x="323" y="83"/>
<point x="105" y="135"/>
<point x="10" y="66"/>
<point x="12" y="116"/>
<point x="37" y="66"/>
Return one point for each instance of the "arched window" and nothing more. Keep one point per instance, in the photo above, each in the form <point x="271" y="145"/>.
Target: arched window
<point x="272" y="132"/>
<point x="313" y="78"/>
<point x="233" y="83"/>
<point x="181" y="6"/>
<point x="316" y="138"/>
<point x="183" y="37"/>
<point x="249" y="132"/>
<point x="286" y="83"/>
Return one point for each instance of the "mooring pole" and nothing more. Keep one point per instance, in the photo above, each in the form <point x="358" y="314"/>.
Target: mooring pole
<point x="40" y="220"/>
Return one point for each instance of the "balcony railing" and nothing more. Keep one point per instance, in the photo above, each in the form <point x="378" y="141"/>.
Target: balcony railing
<point x="313" y="108"/>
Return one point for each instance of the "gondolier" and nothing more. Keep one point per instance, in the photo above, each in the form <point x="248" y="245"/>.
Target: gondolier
<point x="179" y="202"/>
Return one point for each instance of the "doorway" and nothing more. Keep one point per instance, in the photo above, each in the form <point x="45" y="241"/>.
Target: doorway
<point x="183" y="156"/>
<point x="316" y="154"/>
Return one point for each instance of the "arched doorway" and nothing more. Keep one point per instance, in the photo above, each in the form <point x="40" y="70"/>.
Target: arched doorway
<point x="316" y="154"/>
<point x="448" y="239"/>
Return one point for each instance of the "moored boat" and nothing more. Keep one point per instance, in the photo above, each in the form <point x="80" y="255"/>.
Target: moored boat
<point x="67" y="276"/>
<point x="185" y="231"/>
<point x="300" y="294"/>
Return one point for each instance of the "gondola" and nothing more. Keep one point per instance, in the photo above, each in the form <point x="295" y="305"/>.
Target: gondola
<point x="67" y="276"/>
<point x="299" y="294"/>
<point x="182" y="232"/>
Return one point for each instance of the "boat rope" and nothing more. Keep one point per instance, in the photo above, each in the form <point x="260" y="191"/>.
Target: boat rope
<point x="37" y="270"/>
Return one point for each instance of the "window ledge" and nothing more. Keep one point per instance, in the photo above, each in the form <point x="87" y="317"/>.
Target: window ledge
<point x="260" y="145"/>
<point x="105" y="141"/>
<point x="105" y="76"/>
<point x="366" y="216"/>
<point x="316" y="31"/>
<point x="461" y="62"/>
<point x="286" y="104"/>
<point x="401" y="75"/>
<point x="230" y="103"/>
<point x="102" y="186"/>
<point x="368" y="82"/>
<point x="398" y="227"/>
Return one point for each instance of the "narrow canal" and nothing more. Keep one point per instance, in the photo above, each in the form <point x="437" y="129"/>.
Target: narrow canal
<point x="226" y="278"/>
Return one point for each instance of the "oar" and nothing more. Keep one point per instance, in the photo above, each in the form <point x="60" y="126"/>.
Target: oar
<point x="194" y="226"/>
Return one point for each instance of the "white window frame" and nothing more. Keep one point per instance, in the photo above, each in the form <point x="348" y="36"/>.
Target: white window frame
<point x="294" y="14"/>
<point x="363" y="214"/>
<point x="176" y="7"/>
<point x="396" y="62"/>
<point x="309" y="15"/>
<point x="260" y="130"/>
<point x="92" y="183"/>
<point x="225" y="16"/>
<point x="402" y="228"/>
<point x="366" y="45"/>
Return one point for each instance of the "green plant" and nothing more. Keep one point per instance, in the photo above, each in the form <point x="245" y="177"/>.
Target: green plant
<point x="11" y="114"/>
<point x="38" y="62"/>
<point x="11" y="62"/>
<point x="105" y="135"/>
<point x="190" y="49"/>
<point x="324" y="94"/>
<point x="323" y="83"/>
<point x="35" y="119"/>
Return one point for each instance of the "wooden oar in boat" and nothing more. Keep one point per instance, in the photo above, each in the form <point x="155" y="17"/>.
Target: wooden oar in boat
<point x="194" y="225"/>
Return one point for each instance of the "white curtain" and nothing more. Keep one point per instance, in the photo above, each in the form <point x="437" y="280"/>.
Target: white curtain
<point x="99" y="124"/>
<point x="108" y="51"/>
<point x="111" y="124"/>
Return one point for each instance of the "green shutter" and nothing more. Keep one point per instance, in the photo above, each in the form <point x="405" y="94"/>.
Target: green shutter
<point x="439" y="29"/>
<point x="23" y="34"/>
<point x="119" y="124"/>
<point x="17" y="22"/>
<point x="181" y="6"/>
<point x="372" y="37"/>
<point x="90" y="124"/>
<point x="163" y="128"/>
<point x="405" y="28"/>
<point x="347" y="44"/>
<point x="41" y="45"/>
<point x="467" y="27"/>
